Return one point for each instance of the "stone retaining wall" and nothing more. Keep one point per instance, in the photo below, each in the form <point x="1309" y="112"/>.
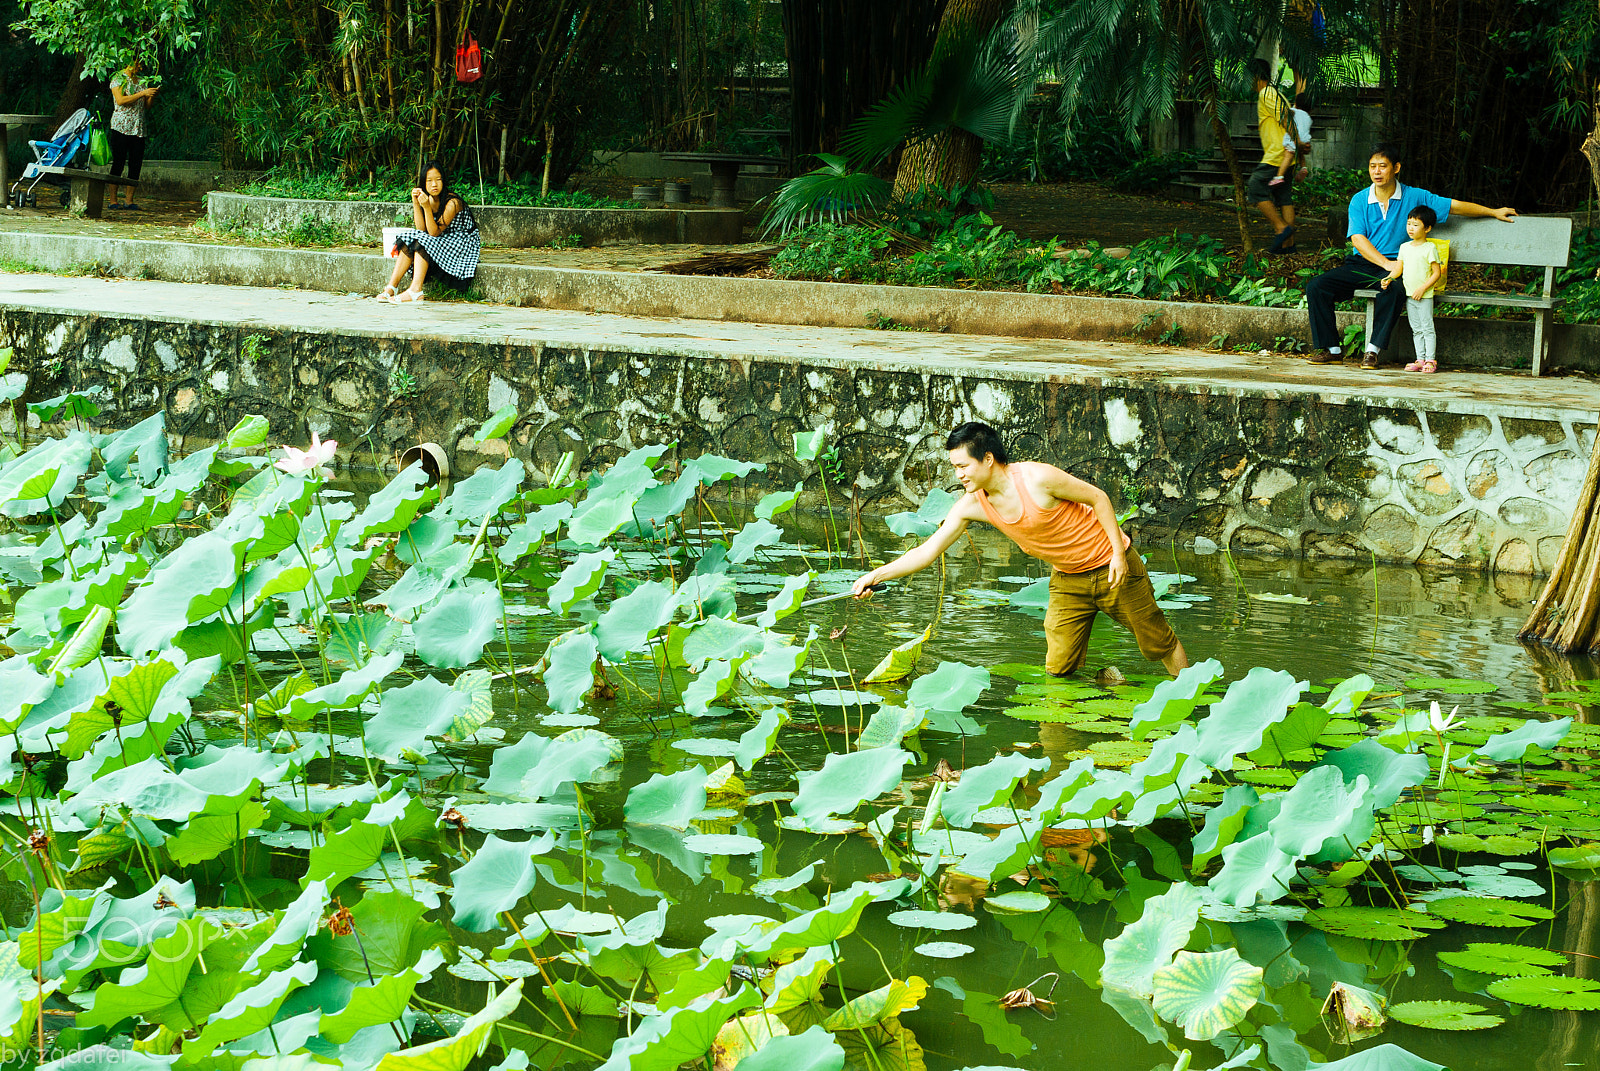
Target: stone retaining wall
<point x="1451" y="484"/>
<point x="505" y="226"/>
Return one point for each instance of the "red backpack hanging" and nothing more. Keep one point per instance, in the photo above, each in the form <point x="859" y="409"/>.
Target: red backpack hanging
<point x="469" y="61"/>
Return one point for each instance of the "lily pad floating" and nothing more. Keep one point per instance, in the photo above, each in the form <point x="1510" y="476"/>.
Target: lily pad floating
<point x="1372" y="923"/>
<point x="839" y="697"/>
<point x="570" y="721"/>
<point x="1544" y="803"/>
<point x="1503" y="845"/>
<point x="1273" y="778"/>
<point x="1018" y="903"/>
<point x="1548" y="991"/>
<point x="1443" y="1015"/>
<point x="1579" y="857"/>
<point x="1451" y="686"/>
<point x="1489" y="911"/>
<point x="1046" y="714"/>
<point x="933" y="920"/>
<point x="1490" y="957"/>
<point x="761" y="798"/>
<point x="1270" y="596"/>
<point x="1119" y="752"/>
<point x="943" y="949"/>
<point x="1021" y="671"/>
<point x="499" y="971"/>
<point x="722" y="844"/>
<point x="825" y="826"/>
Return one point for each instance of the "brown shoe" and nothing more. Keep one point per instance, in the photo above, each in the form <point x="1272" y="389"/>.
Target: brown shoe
<point x="1324" y="357"/>
<point x="1370" y="360"/>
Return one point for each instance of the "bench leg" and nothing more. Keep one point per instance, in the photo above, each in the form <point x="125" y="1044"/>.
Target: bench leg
<point x="91" y="194"/>
<point x="1541" y="340"/>
<point x="1372" y="320"/>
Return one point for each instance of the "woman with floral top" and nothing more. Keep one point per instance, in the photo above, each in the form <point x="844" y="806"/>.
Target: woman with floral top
<point x="132" y="98"/>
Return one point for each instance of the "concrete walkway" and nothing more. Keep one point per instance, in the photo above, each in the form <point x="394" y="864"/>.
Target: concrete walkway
<point x="1036" y="360"/>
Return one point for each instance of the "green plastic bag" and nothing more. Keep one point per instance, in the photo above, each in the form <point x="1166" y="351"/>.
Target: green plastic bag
<point x="99" y="147"/>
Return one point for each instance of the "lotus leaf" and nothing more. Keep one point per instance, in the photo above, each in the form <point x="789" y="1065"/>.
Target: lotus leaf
<point x="1322" y="816"/>
<point x="1382" y="1058"/>
<point x="777" y="502"/>
<point x="926" y="520"/>
<point x="1503" y="959"/>
<point x="1174" y="700"/>
<point x="808" y="444"/>
<point x="885" y="1002"/>
<point x="571" y="658"/>
<point x="1450" y="685"/>
<point x="901" y="661"/>
<point x="1206" y="992"/>
<point x="1388" y="774"/>
<point x="456" y="1053"/>
<point x="672" y="800"/>
<point x="985" y="786"/>
<point x="1026" y="902"/>
<point x="813" y="1050"/>
<point x="1515" y="745"/>
<point x="1134" y="955"/>
<point x="1443" y="1015"/>
<point x="580" y="579"/>
<point x="1239" y="719"/>
<point x="409" y="717"/>
<point x="1372" y="923"/>
<point x="1548" y="991"/>
<point x="662" y="1042"/>
<point x="951" y="687"/>
<point x="499" y="874"/>
<point x="753" y="536"/>
<point x="1254" y="869"/>
<point x="847" y="781"/>
<point x="1578" y="857"/>
<point x="1489" y="911"/>
<point x="1223" y="823"/>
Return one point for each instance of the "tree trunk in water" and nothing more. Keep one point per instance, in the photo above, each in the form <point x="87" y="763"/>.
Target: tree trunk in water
<point x="1565" y="615"/>
<point x="951" y="157"/>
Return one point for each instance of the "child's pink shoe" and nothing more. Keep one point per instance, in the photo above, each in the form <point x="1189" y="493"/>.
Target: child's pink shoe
<point x="1415" y="366"/>
<point x="1276" y="180"/>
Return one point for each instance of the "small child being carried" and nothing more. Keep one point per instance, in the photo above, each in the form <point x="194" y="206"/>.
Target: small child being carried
<point x="1296" y="141"/>
<point x="1420" y="271"/>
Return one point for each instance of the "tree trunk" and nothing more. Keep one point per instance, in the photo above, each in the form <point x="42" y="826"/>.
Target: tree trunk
<point x="1219" y="130"/>
<point x="1564" y="617"/>
<point x="951" y="157"/>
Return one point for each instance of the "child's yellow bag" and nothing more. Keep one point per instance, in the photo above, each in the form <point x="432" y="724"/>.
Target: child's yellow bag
<point x="1442" y="246"/>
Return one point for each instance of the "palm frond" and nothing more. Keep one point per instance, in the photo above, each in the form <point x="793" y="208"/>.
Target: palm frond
<point x="832" y="193"/>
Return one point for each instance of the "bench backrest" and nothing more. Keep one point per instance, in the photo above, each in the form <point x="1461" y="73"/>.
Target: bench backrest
<point x="1531" y="241"/>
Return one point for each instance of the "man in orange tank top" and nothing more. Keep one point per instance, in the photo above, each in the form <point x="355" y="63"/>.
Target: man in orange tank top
<point x="1063" y="521"/>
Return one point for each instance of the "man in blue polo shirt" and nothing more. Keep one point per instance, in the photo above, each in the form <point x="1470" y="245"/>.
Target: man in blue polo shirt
<point x="1377" y="227"/>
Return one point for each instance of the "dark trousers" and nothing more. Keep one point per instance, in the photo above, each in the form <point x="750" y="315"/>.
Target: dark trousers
<point x="1340" y="284"/>
<point x="126" y="149"/>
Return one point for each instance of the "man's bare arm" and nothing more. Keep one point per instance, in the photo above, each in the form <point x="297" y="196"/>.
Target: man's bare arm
<point x="1467" y="208"/>
<point x="1365" y="247"/>
<point x="929" y="550"/>
<point x="1068" y="488"/>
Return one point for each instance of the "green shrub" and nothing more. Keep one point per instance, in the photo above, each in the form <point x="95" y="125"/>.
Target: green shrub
<point x="831" y="251"/>
<point x="1329" y="187"/>
<point x="1153" y="171"/>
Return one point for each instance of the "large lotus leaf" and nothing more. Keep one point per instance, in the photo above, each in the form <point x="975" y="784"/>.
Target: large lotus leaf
<point x="986" y="786"/>
<point x="1238" y="720"/>
<point x="347" y="852"/>
<point x="483" y="494"/>
<point x="1319" y="809"/>
<point x="667" y="799"/>
<point x="951" y="688"/>
<point x="926" y="520"/>
<point x="458" y="1052"/>
<point x="208" y="836"/>
<point x="822" y="926"/>
<point x="1223" y="824"/>
<point x="847" y="781"/>
<point x="662" y="1042"/>
<point x="1348" y="695"/>
<point x="707" y="595"/>
<point x="630" y="621"/>
<point x="294" y="924"/>
<point x="425" y="581"/>
<point x="570" y="672"/>
<point x="250" y="1010"/>
<point x="454" y="633"/>
<point x="580" y="579"/>
<point x="720" y="638"/>
<point x="1173" y="700"/>
<point x="662" y="501"/>
<point x="1372" y="923"/>
<point x="901" y="661"/>
<point x="1005" y="853"/>
<point x="888" y="726"/>
<point x="1206" y="992"/>
<point x="346" y="692"/>
<point x="1486" y="957"/>
<point x="531" y="532"/>
<point x="1382" y="1058"/>
<point x="882" y="1003"/>
<point x="394" y="936"/>
<point x="1160" y="781"/>
<point x="1057" y="790"/>
<point x="476" y="687"/>
<point x="408" y="717"/>
<point x="1443" y="1015"/>
<point x="814" y="1050"/>
<point x="710" y="684"/>
<point x="498" y="875"/>
<point x="391" y="509"/>
<point x="787" y="600"/>
<point x="1388" y="773"/>
<point x="41" y="478"/>
<point x="758" y="740"/>
<point x="156" y="983"/>
<point x="190" y="584"/>
<point x="383" y="1001"/>
<point x="1489" y="911"/>
<point x="1515" y="745"/>
<point x="1292" y="737"/>
<point x="1134" y="955"/>
<point x="147" y="439"/>
<point x="337" y="574"/>
<point x="151" y="790"/>
<point x="1548" y="991"/>
<point x="569" y="759"/>
<point x="780" y="659"/>
<point x="598" y="516"/>
<point x="752" y="537"/>
<point x="711" y="468"/>
<point x="1253" y="870"/>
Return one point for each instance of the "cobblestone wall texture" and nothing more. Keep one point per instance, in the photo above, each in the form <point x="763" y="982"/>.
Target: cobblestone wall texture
<point x="1459" y="487"/>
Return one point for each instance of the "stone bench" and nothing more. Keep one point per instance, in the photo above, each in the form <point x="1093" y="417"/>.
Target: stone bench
<point x="88" y="187"/>
<point x="1525" y="242"/>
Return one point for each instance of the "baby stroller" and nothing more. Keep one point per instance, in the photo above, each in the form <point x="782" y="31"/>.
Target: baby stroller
<point x="71" y="139"/>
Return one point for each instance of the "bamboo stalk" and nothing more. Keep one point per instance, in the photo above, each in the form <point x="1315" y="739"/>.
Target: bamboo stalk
<point x="1575" y="559"/>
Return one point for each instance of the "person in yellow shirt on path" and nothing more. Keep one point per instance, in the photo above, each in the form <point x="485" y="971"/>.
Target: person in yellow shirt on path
<point x="1274" y="199"/>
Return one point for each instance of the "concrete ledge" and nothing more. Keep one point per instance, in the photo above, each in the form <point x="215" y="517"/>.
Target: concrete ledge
<point x="1463" y="343"/>
<point x="508" y="227"/>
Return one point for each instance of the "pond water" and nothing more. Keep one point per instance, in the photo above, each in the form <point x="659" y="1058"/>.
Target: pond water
<point x="978" y="866"/>
<point x="1394" y="623"/>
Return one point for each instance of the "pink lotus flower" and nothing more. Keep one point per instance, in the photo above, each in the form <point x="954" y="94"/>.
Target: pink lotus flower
<point x="312" y="460"/>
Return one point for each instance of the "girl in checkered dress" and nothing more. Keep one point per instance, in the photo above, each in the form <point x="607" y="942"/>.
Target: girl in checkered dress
<point x="442" y="243"/>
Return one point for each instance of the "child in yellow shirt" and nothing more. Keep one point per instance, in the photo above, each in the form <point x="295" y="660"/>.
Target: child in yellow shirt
<point x="1420" y="271"/>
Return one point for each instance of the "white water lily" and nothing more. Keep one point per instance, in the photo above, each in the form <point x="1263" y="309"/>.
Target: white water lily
<point x="1441" y="724"/>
